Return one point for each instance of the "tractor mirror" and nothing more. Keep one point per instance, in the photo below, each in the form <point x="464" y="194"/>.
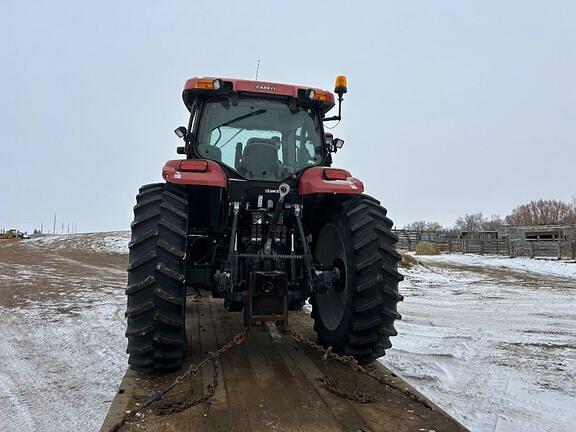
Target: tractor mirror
<point x="338" y="143"/>
<point x="180" y="132"/>
<point x="328" y="139"/>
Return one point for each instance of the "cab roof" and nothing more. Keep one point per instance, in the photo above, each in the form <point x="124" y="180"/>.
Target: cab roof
<point x="221" y="86"/>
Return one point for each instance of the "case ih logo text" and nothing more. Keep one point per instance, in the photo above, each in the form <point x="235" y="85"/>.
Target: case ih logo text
<point x="265" y="87"/>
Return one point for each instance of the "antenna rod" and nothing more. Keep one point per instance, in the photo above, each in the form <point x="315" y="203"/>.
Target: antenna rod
<point x="257" y="69"/>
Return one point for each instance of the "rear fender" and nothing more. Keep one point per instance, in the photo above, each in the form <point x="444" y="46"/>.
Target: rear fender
<point x="213" y="176"/>
<point x="312" y="181"/>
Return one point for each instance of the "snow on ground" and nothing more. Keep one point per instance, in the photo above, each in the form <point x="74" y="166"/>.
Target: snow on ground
<point x="62" y="345"/>
<point x="549" y="267"/>
<point x="61" y="361"/>
<point x="109" y="242"/>
<point x="491" y="340"/>
<point x="496" y="348"/>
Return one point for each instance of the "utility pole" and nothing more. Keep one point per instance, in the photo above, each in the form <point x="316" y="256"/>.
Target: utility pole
<point x="54" y="229"/>
<point x="62" y="227"/>
<point x="41" y="227"/>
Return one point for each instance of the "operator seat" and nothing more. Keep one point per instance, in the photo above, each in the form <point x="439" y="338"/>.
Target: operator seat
<point x="260" y="159"/>
<point x="210" y="152"/>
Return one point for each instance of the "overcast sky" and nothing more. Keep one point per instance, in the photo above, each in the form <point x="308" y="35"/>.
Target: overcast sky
<point x="453" y="106"/>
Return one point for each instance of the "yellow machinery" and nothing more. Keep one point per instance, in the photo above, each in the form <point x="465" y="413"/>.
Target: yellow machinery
<point x="11" y="234"/>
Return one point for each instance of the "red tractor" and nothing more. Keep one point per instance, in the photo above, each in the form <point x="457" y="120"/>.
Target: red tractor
<point x="256" y="215"/>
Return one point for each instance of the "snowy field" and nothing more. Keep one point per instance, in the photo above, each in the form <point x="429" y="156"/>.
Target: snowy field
<point x="110" y="242"/>
<point x="543" y="266"/>
<point x="62" y="361"/>
<point x="62" y="345"/>
<point x="491" y="340"/>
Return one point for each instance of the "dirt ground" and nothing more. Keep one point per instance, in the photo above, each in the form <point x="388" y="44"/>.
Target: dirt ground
<point x="32" y="271"/>
<point x="492" y="344"/>
<point x="61" y="332"/>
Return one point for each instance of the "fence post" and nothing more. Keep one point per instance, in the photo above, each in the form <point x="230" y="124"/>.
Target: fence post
<point x="464" y="246"/>
<point x="481" y="247"/>
<point x="531" y="249"/>
<point x="559" y="249"/>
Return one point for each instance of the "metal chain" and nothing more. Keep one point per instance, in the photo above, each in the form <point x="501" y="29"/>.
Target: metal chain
<point x="350" y="361"/>
<point x="192" y="373"/>
<point x="185" y="402"/>
<point x="354" y="395"/>
<point x="238" y="339"/>
<point x="197" y="298"/>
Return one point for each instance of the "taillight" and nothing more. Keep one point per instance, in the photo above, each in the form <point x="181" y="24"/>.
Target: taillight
<point x="335" y="174"/>
<point x="194" y="165"/>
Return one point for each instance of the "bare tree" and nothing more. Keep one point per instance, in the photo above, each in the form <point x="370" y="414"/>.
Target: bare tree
<point x="542" y="212"/>
<point x="434" y="226"/>
<point x="492" y="223"/>
<point x="423" y="226"/>
<point x="416" y="226"/>
<point x="470" y="222"/>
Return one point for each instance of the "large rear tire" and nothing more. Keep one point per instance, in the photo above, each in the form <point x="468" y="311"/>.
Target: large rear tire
<point x="156" y="284"/>
<point x="356" y="317"/>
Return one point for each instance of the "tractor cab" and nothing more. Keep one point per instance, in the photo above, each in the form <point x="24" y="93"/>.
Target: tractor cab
<point x="260" y="138"/>
<point x="256" y="130"/>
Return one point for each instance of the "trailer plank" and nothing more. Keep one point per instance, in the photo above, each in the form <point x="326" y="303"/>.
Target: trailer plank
<point x="340" y="408"/>
<point x="268" y="384"/>
<point x="234" y="418"/>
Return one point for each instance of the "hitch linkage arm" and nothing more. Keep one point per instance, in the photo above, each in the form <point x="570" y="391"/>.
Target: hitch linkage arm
<point x="307" y="258"/>
<point x="227" y="280"/>
<point x="317" y="281"/>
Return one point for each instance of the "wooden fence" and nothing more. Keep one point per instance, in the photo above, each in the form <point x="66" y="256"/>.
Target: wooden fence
<point x="560" y="249"/>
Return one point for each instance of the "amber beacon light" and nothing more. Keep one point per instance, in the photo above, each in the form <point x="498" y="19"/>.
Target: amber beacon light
<point x="341" y="86"/>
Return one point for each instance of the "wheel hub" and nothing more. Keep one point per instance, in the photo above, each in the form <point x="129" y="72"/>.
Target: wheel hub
<point x="331" y="254"/>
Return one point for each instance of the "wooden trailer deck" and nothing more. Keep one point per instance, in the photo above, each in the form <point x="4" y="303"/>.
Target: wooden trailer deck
<point x="271" y="385"/>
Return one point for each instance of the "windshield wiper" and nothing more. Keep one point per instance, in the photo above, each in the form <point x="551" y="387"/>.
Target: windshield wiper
<point x="233" y="136"/>
<point x="242" y="117"/>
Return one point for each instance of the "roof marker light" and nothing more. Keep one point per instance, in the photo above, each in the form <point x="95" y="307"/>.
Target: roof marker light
<point x="204" y="84"/>
<point x="318" y="95"/>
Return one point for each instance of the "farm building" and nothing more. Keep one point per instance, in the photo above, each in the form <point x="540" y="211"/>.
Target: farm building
<point x="540" y="240"/>
<point x="538" y="232"/>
